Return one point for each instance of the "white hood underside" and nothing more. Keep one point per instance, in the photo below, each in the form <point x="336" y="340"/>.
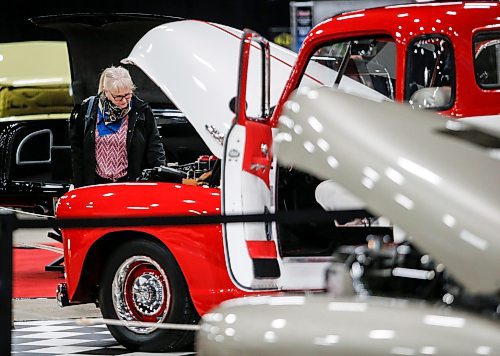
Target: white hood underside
<point x="196" y="65"/>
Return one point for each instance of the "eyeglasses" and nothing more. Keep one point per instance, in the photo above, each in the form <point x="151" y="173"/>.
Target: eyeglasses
<point x="121" y="97"/>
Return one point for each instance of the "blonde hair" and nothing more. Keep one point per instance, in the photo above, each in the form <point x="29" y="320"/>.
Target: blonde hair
<point x="116" y="79"/>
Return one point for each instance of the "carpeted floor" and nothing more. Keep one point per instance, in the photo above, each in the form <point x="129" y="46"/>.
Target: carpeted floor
<point x="30" y="280"/>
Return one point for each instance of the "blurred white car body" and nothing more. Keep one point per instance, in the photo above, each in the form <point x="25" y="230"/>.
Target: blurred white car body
<point x="320" y="325"/>
<point x="423" y="173"/>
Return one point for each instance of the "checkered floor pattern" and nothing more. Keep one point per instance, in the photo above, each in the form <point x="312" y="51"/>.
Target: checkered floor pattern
<point x="66" y="337"/>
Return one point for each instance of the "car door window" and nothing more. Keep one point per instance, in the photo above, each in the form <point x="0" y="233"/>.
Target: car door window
<point x="369" y="61"/>
<point x="430" y="73"/>
<point x="487" y="60"/>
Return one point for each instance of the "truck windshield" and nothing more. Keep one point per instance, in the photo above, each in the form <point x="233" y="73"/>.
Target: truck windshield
<point x="429" y="73"/>
<point x="369" y="61"/>
<point x="487" y="60"/>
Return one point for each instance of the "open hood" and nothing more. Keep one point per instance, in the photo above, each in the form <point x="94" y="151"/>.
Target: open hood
<point x="195" y="64"/>
<point x="430" y="176"/>
<point x="96" y="41"/>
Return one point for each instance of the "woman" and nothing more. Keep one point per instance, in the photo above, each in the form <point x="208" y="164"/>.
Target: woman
<point x="114" y="134"/>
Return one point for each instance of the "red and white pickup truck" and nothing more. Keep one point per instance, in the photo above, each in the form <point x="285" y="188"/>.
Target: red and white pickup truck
<point x="440" y="56"/>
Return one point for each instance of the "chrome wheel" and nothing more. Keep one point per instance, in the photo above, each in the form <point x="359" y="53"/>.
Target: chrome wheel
<point x="141" y="281"/>
<point x="141" y="292"/>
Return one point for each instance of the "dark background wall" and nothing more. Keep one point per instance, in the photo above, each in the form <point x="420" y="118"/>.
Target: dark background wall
<point x="259" y="15"/>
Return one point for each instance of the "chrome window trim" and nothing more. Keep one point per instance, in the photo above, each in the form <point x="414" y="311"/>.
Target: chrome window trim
<point x="26" y="139"/>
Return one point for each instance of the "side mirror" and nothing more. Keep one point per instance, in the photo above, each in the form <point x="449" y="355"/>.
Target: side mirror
<point x="232" y="104"/>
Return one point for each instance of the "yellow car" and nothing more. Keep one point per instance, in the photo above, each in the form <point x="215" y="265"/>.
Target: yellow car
<point x="35" y="104"/>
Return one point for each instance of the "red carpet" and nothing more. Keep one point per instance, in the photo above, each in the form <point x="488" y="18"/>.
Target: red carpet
<point x="30" y="280"/>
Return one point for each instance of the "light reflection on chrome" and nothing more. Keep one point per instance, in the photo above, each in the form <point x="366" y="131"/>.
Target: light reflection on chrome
<point x="309" y="146"/>
<point x="381" y="334"/>
<point x="494" y="153"/>
<point x="413" y="273"/>
<point x="371" y="173"/>
<point x="230" y="318"/>
<point x="367" y="182"/>
<point x="278" y="323"/>
<point x="428" y="350"/>
<point x="327" y="340"/>
<point x="325" y="146"/>
<point x="445" y="321"/>
<point x="473" y="240"/>
<point x="332" y="161"/>
<point x="199" y="83"/>
<point x="298" y="300"/>
<point x="449" y="220"/>
<point x="285" y="120"/>
<point x="213" y="317"/>
<point x="395" y="176"/>
<point x="315" y="124"/>
<point x="270" y="336"/>
<point x="313" y="94"/>
<point x="283" y="137"/>
<point x="370" y="177"/>
<point x="419" y="171"/>
<point x="347" y="307"/>
<point x="404" y="201"/>
<point x="204" y="62"/>
<point x="483" y="350"/>
<point x="304" y="90"/>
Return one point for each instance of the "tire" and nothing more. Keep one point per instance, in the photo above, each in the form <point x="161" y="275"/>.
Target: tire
<point x="142" y="282"/>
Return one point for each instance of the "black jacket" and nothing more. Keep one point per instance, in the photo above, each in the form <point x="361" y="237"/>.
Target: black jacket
<point x="144" y="147"/>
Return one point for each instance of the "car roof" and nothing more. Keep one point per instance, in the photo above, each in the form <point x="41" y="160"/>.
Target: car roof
<point x="411" y="20"/>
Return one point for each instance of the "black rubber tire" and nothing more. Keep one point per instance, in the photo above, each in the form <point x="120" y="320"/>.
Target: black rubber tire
<point x="180" y="311"/>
